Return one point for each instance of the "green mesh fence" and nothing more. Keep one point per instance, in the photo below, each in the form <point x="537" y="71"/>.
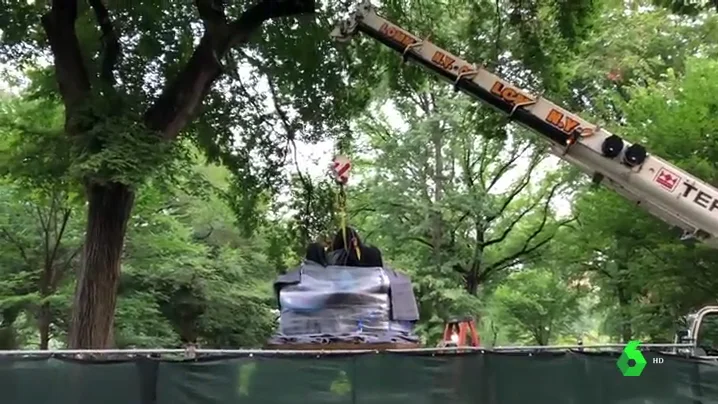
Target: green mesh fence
<point x="385" y="378"/>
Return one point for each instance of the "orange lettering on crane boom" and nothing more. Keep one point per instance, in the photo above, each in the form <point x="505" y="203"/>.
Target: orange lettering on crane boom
<point x="397" y="35"/>
<point x="508" y="94"/>
<point x="563" y="122"/>
<point x="443" y="60"/>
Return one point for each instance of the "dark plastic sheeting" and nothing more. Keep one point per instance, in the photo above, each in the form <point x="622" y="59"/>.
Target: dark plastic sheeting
<point x="386" y="378"/>
<point x="57" y="381"/>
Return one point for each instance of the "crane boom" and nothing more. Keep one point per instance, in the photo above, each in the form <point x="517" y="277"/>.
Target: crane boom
<point x="658" y="186"/>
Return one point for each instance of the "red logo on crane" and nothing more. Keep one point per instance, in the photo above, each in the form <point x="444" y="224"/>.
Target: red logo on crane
<point x="667" y="179"/>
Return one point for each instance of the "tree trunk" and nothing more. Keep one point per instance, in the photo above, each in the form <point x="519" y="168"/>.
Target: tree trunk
<point x="110" y="204"/>
<point x="109" y="208"/>
<point x="542" y="336"/>
<point x="494" y="334"/>
<point x="8" y="337"/>
<point x="475" y="276"/>
<point x="624" y="305"/>
<point x="472" y="281"/>
<point x="437" y="225"/>
<point x="44" y="325"/>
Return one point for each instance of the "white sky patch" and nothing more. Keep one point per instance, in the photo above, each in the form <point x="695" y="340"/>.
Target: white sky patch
<point x="6" y="86"/>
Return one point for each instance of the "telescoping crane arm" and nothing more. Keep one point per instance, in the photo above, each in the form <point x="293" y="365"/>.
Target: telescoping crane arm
<point x="660" y="187"/>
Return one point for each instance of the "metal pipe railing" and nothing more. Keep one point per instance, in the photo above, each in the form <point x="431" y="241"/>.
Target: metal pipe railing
<point x="251" y="352"/>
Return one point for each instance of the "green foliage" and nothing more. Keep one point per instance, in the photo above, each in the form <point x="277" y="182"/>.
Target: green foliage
<point x="166" y="79"/>
<point x="314" y="211"/>
<point x="196" y="274"/>
<point x="680" y="104"/>
<point x="117" y="149"/>
<point x="189" y="274"/>
<point x="684" y="7"/>
<point x="536" y="306"/>
<point x="451" y="193"/>
<point x="646" y="280"/>
<point x="34" y="149"/>
<point x="453" y="209"/>
<point x="120" y="149"/>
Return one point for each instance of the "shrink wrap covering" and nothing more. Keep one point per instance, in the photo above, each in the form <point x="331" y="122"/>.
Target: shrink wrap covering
<point x="340" y="303"/>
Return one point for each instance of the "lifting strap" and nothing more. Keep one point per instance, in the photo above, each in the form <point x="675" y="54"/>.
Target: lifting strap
<point x="340" y="168"/>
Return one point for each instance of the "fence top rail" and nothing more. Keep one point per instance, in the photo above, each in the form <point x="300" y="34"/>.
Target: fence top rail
<point x="324" y="352"/>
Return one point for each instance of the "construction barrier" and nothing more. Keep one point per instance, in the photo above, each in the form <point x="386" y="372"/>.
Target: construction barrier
<point x="367" y="378"/>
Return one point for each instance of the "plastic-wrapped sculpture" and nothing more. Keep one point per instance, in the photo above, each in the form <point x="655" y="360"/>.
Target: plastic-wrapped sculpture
<point x="345" y="295"/>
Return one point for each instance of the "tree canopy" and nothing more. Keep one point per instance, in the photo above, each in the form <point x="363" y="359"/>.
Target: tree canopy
<point x="152" y="189"/>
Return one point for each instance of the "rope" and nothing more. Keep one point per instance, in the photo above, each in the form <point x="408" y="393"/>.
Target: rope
<point x="341" y="206"/>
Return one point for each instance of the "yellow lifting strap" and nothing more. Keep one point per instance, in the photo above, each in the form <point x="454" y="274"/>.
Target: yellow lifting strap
<point x="342" y="207"/>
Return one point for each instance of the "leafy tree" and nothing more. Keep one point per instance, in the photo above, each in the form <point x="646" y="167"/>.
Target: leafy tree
<point x="44" y="232"/>
<point x="442" y="197"/>
<point x="458" y="198"/>
<point x="40" y="223"/>
<point x="191" y="277"/>
<point x="687" y="7"/>
<point x="536" y="305"/>
<point x="651" y="41"/>
<point x="645" y="277"/>
<point x="465" y="208"/>
<point x="677" y="129"/>
<point x="156" y="68"/>
<point x="451" y="192"/>
<point x="180" y="240"/>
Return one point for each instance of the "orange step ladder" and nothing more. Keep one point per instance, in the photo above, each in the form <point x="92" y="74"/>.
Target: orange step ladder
<point x="456" y="331"/>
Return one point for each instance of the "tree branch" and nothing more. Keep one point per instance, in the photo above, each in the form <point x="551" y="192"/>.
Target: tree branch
<point x="525" y="250"/>
<point x="284" y="118"/>
<point x="180" y="100"/>
<point x="211" y="12"/>
<point x="58" y="236"/>
<point x="420" y="240"/>
<point x="416" y="98"/>
<point x="518" y="218"/>
<point x="460" y="221"/>
<point x="509" y="199"/>
<point x="468" y="168"/>
<point x="522" y="185"/>
<point x="479" y="246"/>
<point x="357" y="211"/>
<point x="110" y="42"/>
<point x="70" y="72"/>
<point x="507" y="165"/>
<point x="45" y="226"/>
<point x="291" y="136"/>
<point x="59" y="274"/>
<point x="459" y="269"/>
<point x="6" y="234"/>
<point x="593" y="268"/>
<point x="482" y="161"/>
